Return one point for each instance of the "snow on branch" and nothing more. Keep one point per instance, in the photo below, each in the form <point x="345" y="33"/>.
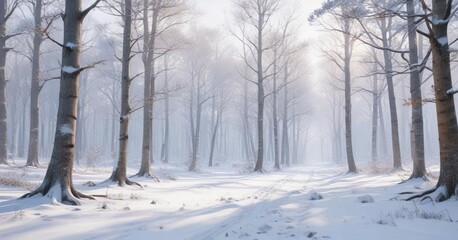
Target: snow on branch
<point x="74" y="70"/>
<point x="452" y="91"/>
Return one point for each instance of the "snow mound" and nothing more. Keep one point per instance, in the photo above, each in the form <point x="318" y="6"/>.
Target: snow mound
<point x="314" y="196"/>
<point x="365" y="199"/>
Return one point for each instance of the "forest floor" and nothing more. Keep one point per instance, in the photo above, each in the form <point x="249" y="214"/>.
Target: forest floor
<point x="224" y="203"/>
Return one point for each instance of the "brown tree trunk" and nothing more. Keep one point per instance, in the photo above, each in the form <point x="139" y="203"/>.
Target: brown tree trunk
<point x="32" y="156"/>
<point x="445" y="105"/>
<point x="58" y="183"/>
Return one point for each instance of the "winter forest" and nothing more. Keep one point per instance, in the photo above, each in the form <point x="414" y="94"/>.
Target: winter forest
<point x="228" y="119"/>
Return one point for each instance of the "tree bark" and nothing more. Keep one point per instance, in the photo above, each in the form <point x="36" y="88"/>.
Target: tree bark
<point x="32" y="156"/>
<point x="418" y="157"/>
<point x="119" y="174"/>
<point x="445" y="105"/>
<point x="58" y="183"/>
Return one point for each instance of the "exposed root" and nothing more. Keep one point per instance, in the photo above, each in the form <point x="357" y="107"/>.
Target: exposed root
<point x="123" y="182"/>
<point x="58" y="194"/>
<point x="437" y="194"/>
<point x="146" y="175"/>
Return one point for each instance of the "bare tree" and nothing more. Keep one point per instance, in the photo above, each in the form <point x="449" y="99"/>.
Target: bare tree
<point x="254" y="17"/>
<point x="58" y="183"/>
<point x="165" y="15"/>
<point x="4" y="17"/>
<point x="341" y="11"/>
<point x="119" y="174"/>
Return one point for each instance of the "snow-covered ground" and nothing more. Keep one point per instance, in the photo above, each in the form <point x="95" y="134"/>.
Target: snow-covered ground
<point x="223" y="203"/>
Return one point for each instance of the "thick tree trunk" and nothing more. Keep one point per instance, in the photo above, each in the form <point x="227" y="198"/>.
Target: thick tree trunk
<point x="348" y="127"/>
<point x="58" y="183"/>
<point x="391" y="98"/>
<point x="32" y="156"/>
<point x="3" y="113"/>
<point x="418" y="157"/>
<point x="445" y="105"/>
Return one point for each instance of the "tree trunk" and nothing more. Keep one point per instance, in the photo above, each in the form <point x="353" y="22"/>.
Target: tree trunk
<point x="196" y="139"/>
<point x="445" y="105"/>
<point x="148" y="61"/>
<point x="261" y="95"/>
<point x="3" y="113"/>
<point x="275" y="116"/>
<point x="285" y="138"/>
<point x="375" y="102"/>
<point x="391" y="98"/>
<point x="58" y="183"/>
<point x="119" y="174"/>
<point x="418" y="147"/>
<point x="165" y="144"/>
<point x="213" y="141"/>
<point x="348" y="130"/>
<point x="32" y="156"/>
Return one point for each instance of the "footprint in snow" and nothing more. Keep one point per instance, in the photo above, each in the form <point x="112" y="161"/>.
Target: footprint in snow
<point x="264" y="229"/>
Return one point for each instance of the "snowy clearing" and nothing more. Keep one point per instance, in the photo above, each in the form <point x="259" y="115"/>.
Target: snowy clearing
<point x="222" y="203"/>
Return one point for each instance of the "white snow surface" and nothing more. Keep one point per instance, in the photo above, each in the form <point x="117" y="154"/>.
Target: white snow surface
<point x="222" y="203"/>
